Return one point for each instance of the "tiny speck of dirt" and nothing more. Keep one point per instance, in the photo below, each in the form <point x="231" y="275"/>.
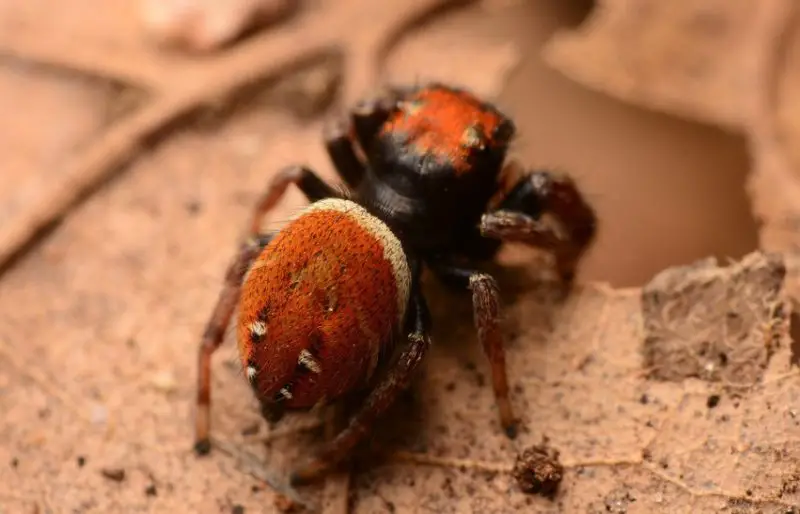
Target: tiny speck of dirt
<point x="644" y="400"/>
<point x="538" y="471"/>
<point x="489" y="475"/>
<point x="617" y="501"/>
<point x="447" y="488"/>
<point x="193" y="207"/>
<point x="115" y="474"/>
<point x="151" y="490"/>
<point x="81" y="460"/>
<point x="790" y="485"/>
<point x="712" y="401"/>
<point x="285" y="504"/>
<point x="237" y="509"/>
<point x="14" y="463"/>
<point x="250" y="430"/>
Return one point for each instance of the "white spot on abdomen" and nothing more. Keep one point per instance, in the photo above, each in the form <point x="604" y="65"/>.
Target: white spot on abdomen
<point x="307" y="360"/>
<point x="258" y="328"/>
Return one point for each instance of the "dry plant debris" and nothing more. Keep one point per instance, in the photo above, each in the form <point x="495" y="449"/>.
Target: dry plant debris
<point x="119" y="295"/>
<point x="734" y="64"/>
<point x="689" y="58"/>
<point x="714" y="323"/>
<point x="537" y="471"/>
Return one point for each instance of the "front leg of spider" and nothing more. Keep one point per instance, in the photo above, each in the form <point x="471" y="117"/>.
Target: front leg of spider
<point x="314" y="189"/>
<point x="214" y="333"/>
<point x="342" y="135"/>
<point x="369" y="115"/>
<point x="309" y="183"/>
<point x="545" y="210"/>
<point x="486" y="315"/>
<point x="338" y="136"/>
<point x="380" y="398"/>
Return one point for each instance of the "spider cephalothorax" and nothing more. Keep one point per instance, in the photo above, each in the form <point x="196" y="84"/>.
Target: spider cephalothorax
<point x="323" y="301"/>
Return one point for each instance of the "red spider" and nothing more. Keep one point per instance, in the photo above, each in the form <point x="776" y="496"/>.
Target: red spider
<point x="323" y="301"/>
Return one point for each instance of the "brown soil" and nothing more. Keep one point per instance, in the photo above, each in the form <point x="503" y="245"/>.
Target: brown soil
<point x="150" y="161"/>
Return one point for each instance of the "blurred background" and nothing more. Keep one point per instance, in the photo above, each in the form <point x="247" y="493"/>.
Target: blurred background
<point x="668" y="190"/>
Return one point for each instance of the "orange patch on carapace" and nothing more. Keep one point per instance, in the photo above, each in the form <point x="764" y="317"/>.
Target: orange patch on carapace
<point x="437" y="121"/>
<point x="322" y="285"/>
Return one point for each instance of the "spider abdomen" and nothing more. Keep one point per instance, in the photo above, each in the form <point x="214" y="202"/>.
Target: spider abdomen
<point x="319" y="304"/>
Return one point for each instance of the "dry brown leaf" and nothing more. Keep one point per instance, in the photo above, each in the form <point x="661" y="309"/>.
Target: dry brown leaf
<point x="731" y="63"/>
<point x="700" y="321"/>
<point x="113" y="302"/>
<point x="696" y="59"/>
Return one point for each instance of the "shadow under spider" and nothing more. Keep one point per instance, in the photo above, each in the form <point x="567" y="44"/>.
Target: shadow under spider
<point x="452" y="312"/>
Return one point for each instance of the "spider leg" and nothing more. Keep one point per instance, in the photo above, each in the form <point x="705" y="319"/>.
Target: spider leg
<point x="343" y="134"/>
<point x="379" y="399"/>
<point x="486" y="315"/>
<point x="215" y="331"/>
<point x="370" y="114"/>
<point x="545" y="210"/>
<point x="338" y="135"/>
<point x="311" y="185"/>
<point x="314" y="189"/>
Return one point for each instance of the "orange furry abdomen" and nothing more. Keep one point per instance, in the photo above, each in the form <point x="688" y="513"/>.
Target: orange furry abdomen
<point x="322" y="285"/>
